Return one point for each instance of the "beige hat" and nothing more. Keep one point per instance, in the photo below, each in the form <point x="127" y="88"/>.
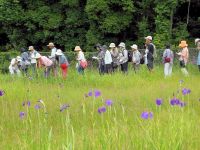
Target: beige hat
<point x="50" y="44"/>
<point x="149" y="38"/>
<point x="77" y="48"/>
<point x="112" y="45"/>
<point x="59" y="52"/>
<point x="134" y="46"/>
<point x="122" y="44"/>
<point x="19" y="58"/>
<point x="197" y="40"/>
<point x="30" y="48"/>
<point x="183" y="44"/>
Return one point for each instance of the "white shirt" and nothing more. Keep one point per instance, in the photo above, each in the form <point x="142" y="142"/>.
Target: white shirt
<point x="33" y="55"/>
<point x="13" y="64"/>
<point x="53" y="52"/>
<point x="107" y="58"/>
<point x="81" y="56"/>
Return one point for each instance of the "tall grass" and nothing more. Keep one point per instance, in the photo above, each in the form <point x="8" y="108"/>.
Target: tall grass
<point x="81" y="126"/>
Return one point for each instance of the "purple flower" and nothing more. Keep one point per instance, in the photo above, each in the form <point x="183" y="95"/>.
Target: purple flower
<point x="145" y="115"/>
<point x="159" y="101"/>
<point x="37" y="106"/>
<point x="26" y="103"/>
<point x="173" y="102"/>
<point x="2" y="92"/>
<point x="186" y="91"/>
<point x="182" y="104"/>
<point x="177" y="101"/>
<point x="101" y="110"/>
<point x="22" y="115"/>
<point x="63" y="107"/>
<point x="109" y="102"/>
<point x="90" y="93"/>
<point x="97" y="93"/>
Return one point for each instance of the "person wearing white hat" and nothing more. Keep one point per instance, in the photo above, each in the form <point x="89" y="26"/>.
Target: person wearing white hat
<point x="14" y="66"/>
<point x="136" y="58"/>
<point x="45" y="62"/>
<point x="63" y="62"/>
<point x="53" y="49"/>
<point x="197" y="42"/>
<point x="150" y="53"/>
<point x="82" y="63"/>
<point x="123" y="57"/>
<point x="33" y="53"/>
<point x="107" y="60"/>
<point x="115" y="56"/>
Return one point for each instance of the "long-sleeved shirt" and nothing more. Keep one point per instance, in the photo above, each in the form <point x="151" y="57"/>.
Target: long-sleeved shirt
<point x="123" y="56"/>
<point x="45" y="61"/>
<point x="81" y="56"/>
<point x="184" y="54"/>
<point x="107" y="58"/>
<point x="53" y="53"/>
<point x="63" y="60"/>
<point x="115" y="55"/>
<point x="169" y="54"/>
<point x="32" y="56"/>
<point x="136" y="57"/>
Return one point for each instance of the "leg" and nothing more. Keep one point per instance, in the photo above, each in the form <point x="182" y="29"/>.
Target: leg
<point x="199" y="67"/>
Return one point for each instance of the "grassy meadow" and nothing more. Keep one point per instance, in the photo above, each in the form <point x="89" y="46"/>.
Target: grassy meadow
<point x="48" y="124"/>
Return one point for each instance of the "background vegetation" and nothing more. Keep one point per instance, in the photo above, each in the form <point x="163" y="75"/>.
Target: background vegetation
<point x="87" y="22"/>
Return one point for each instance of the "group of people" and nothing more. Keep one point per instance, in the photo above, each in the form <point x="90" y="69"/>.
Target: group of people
<point x="109" y="59"/>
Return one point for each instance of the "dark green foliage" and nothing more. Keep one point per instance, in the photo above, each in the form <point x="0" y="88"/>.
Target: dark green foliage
<point x="68" y="23"/>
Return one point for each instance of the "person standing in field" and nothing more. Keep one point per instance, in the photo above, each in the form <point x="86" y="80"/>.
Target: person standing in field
<point x="168" y="57"/>
<point x="123" y="57"/>
<point x="183" y="57"/>
<point x="32" y="55"/>
<point x="135" y="58"/>
<point x="53" y="57"/>
<point x="197" y="42"/>
<point x="107" y="60"/>
<point x="150" y="53"/>
<point x="63" y="62"/>
<point x="45" y="62"/>
<point x="14" y="66"/>
<point x="115" y="56"/>
<point x="82" y="63"/>
<point x="25" y="61"/>
<point x="100" y="58"/>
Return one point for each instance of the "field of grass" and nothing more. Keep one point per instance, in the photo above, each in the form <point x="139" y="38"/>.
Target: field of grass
<point x="48" y="124"/>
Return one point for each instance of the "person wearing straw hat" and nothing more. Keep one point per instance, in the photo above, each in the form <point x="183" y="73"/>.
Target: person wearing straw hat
<point x="44" y="62"/>
<point x="115" y="56"/>
<point x="136" y="58"/>
<point x="82" y="63"/>
<point x="150" y="53"/>
<point x="53" y="49"/>
<point x="183" y="57"/>
<point x="14" y="66"/>
<point x="168" y="57"/>
<point x="197" y="42"/>
<point x="123" y="57"/>
<point x="63" y="62"/>
<point x="33" y="54"/>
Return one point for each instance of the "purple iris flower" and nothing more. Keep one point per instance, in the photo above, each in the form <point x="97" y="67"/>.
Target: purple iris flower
<point x="177" y="101"/>
<point x="37" y="106"/>
<point x="97" y="93"/>
<point x="145" y="115"/>
<point x="173" y="102"/>
<point x="101" y="110"/>
<point x="26" y="103"/>
<point x="90" y="93"/>
<point x="2" y="92"/>
<point x="109" y="102"/>
<point x="22" y="115"/>
<point x="186" y="91"/>
<point x="63" y="107"/>
<point x="159" y="101"/>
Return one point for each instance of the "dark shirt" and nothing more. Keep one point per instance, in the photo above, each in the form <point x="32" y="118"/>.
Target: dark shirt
<point x="150" y="47"/>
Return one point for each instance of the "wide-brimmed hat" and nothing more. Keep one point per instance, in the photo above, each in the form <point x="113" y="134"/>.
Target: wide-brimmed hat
<point x="122" y="44"/>
<point x="19" y="58"/>
<point x="112" y="45"/>
<point x="183" y="44"/>
<point x="149" y="37"/>
<point x="134" y="46"/>
<point x="59" y="52"/>
<point x="77" y="48"/>
<point x="50" y="44"/>
<point x="197" y="40"/>
<point x="30" y="48"/>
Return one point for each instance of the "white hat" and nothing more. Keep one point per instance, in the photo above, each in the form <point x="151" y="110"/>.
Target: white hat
<point x="50" y="44"/>
<point x="112" y="45"/>
<point x="77" y="48"/>
<point x="149" y="38"/>
<point x="197" y="40"/>
<point x="37" y="56"/>
<point x="134" y="46"/>
<point x="30" y="48"/>
<point x="19" y="58"/>
<point x="122" y="44"/>
<point x="59" y="52"/>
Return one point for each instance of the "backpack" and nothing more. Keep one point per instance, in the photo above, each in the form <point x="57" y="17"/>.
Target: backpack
<point x="130" y="56"/>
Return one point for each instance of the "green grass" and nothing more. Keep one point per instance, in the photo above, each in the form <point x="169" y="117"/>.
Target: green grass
<point x="81" y="127"/>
